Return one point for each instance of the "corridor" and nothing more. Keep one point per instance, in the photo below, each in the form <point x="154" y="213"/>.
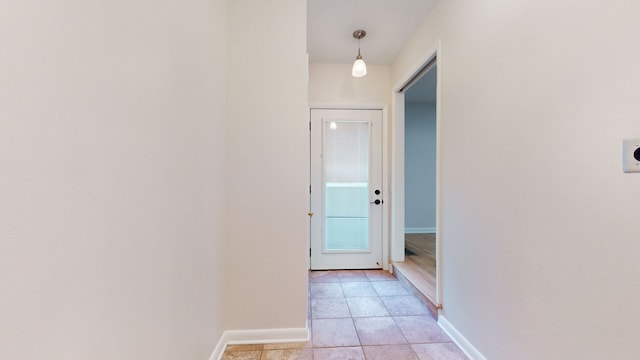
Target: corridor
<point x="360" y="315"/>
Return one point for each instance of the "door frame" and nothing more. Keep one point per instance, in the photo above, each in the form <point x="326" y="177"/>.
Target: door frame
<point x="387" y="194"/>
<point x="398" y="168"/>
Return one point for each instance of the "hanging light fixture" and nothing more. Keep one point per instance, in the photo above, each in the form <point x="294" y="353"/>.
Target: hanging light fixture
<point x="359" y="67"/>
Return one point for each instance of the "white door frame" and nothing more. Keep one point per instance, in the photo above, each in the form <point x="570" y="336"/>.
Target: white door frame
<point x="385" y="168"/>
<point x="397" y="164"/>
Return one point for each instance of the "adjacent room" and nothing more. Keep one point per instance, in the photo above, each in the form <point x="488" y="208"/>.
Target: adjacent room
<point x="420" y="183"/>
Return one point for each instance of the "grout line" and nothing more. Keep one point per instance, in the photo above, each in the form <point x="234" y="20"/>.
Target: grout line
<point x="360" y="346"/>
<point x="401" y="332"/>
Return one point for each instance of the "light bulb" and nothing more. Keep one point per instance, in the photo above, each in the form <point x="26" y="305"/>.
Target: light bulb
<point x="359" y="68"/>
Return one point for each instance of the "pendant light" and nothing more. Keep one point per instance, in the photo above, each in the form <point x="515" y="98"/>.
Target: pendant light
<point x="359" y="67"/>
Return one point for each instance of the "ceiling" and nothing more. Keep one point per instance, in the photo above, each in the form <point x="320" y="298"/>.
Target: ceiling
<point x="389" y="25"/>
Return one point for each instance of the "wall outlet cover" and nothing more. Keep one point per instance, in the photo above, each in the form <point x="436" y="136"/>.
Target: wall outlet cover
<point x="631" y="155"/>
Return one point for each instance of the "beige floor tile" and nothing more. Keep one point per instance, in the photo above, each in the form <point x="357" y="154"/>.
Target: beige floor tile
<point x="358" y="289"/>
<point x="366" y="307"/>
<point x="244" y="347"/>
<point x="404" y="305"/>
<point x="387" y="352"/>
<point x="390" y="288"/>
<point x="288" y="345"/>
<point x="329" y="308"/>
<point x="325" y="290"/>
<point x="352" y="275"/>
<point x="378" y="331"/>
<point x="242" y="355"/>
<point x="339" y="353"/>
<point x="334" y="332"/>
<point x="379" y="275"/>
<point x="439" y="351"/>
<point x="288" y="354"/>
<point x="323" y="276"/>
<point x="421" y="329"/>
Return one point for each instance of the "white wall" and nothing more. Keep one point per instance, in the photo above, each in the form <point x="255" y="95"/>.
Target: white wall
<point x="267" y="164"/>
<point x="420" y="167"/>
<point x="112" y="175"/>
<point x="332" y="84"/>
<point x="540" y="253"/>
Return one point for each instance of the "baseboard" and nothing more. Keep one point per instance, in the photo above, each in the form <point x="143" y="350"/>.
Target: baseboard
<point x="420" y="230"/>
<point x="218" y="351"/>
<point x="263" y="336"/>
<point x="460" y="340"/>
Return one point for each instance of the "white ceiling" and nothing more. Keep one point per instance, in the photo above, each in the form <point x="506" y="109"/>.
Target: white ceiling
<point x="389" y="25"/>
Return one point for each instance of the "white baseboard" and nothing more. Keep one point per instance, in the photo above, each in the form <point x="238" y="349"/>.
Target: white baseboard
<point x="460" y="340"/>
<point x="420" y="230"/>
<point x="264" y="336"/>
<point x="218" y="351"/>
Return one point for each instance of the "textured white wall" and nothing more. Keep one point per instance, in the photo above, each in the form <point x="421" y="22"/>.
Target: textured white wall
<point x="540" y="254"/>
<point x="111" y="179"/>
<point x="333" y="84"/>
<point x="267" y="158"/>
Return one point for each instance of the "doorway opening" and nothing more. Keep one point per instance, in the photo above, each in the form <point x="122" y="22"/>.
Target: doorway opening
<point x="420" y="180"/>
<point x="347" y="190"/>
<point x="416" y="245"/>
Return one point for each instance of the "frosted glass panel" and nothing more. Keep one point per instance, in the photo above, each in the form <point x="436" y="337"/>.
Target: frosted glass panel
<point x="346" y="185"/>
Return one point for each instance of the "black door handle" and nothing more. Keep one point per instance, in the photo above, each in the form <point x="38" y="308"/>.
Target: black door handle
<point x="377" y="202"/>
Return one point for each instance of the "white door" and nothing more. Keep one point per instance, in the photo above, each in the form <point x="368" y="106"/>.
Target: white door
<point x="346" y="189"/>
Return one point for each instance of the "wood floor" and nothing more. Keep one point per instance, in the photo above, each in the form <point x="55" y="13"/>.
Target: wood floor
<point x="419" y="266"/>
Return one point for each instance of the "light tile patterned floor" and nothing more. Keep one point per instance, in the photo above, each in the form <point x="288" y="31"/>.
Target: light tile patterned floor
<point x="360" y="315"/>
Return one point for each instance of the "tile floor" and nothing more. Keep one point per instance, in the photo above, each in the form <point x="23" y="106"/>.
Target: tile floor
<point x="360" y="315"/>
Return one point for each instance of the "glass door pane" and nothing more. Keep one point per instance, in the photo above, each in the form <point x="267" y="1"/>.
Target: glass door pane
<point x="346" y="185"/>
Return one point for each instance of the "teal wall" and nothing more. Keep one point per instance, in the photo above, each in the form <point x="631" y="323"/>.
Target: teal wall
<point x="420" y="166"/>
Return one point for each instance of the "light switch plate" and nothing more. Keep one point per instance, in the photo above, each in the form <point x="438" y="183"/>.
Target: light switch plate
<point x="631" y="155"/>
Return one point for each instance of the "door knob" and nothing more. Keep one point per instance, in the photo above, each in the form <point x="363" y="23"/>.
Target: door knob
<point x="377" y="202"/>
